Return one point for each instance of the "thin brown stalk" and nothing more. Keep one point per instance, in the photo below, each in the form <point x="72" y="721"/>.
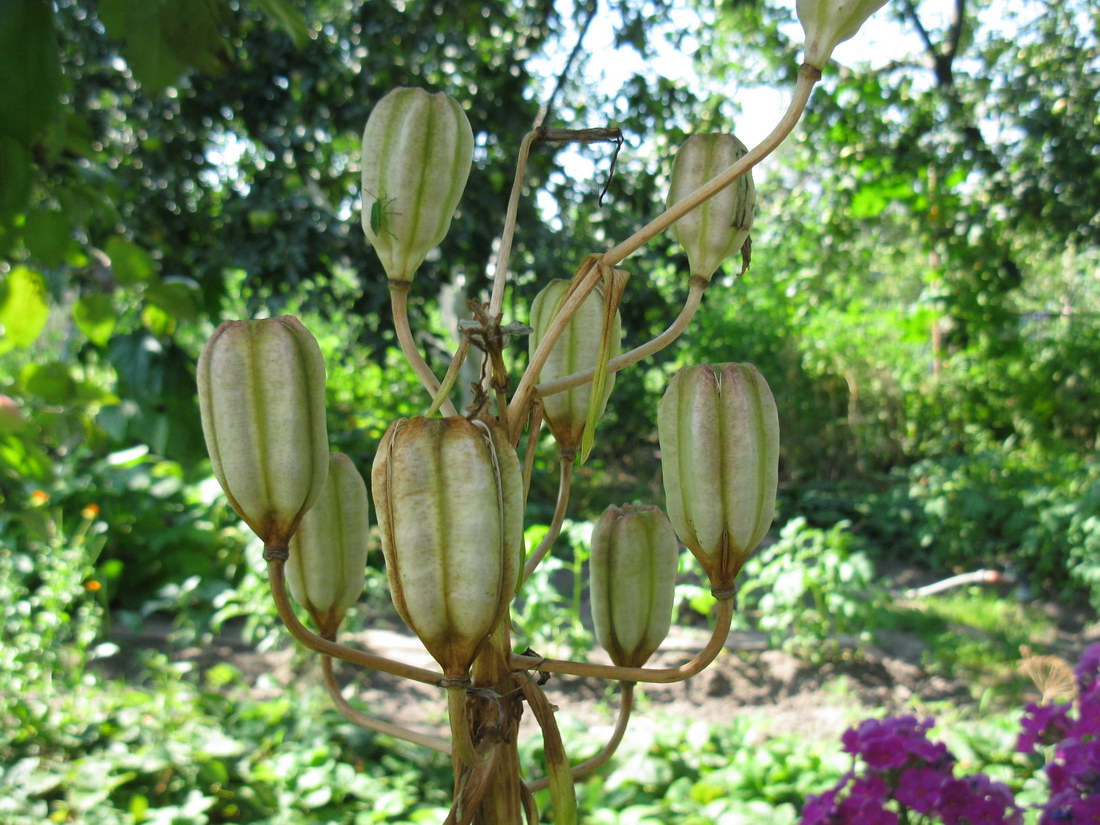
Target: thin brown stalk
<point x="565" y="476"/>
<point x="399" y="305"/>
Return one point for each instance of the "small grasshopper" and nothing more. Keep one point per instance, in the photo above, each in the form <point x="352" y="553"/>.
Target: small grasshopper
<point x="380" y="214"/>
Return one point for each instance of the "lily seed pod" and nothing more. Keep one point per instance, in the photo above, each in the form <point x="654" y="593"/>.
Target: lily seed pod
<point x="633" y="565"/>
<point x="719" y="435"/>
<point x="829" y="22"/>
<point x="449" y="498"/>
<point x="262" y="402"/>
<point x="328" y="553"/>
<point x="417" y="152"/>
<point x="718" y="227"/>
<point x="577" y="349"/>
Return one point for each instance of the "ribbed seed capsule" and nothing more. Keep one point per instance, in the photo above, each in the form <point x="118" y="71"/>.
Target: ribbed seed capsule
<point x="719" y="436"/>
<point x="718" y="227"/>
<point x="633" y="565"/>
<point x="829" y="22"/>
<point x="328" y="553"/>
<point x="417" y="152"/>
<point x="262" y="402"/>
<point x="449" y="498"/>
<point x="577" y="349"/>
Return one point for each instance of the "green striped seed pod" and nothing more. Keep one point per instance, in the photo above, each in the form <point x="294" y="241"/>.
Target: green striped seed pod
<point x="449" y="498"/>
<point x="633" y="565"/>
<point x="829" y="22"/>
<point x="328" y="553"/>
<point x="417" y="152"/>
<point x="577" y="349"/>
<point x="719" y="437"/>
<point x="262" y="402"/>
<point x="718" y="227"/>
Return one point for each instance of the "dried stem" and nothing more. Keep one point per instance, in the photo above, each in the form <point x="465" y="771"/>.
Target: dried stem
<point x="463" y="741"/>
<point x="453" y="371"/>
<point x="626" y="705"/>
<point x="639" y="674"/>
<point x="565" y="476"/>
<point x="399" y="304"/>
<point x="277" y="579"/>
<point x="691" y="305"/>
<point x="504" y="254"/>
<point x="378" y="725"/>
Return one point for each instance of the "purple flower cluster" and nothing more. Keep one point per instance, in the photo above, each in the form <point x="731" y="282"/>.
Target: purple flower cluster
<point x="906" y="773"/>
<point x="1073" y="771"/>
<point x="908" y="778"/>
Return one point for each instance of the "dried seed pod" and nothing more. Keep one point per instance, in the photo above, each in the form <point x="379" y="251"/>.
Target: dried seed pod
<point x="719" y="435"/>
<point x="262" y="401"/>
<point x="718" y="227"/>
<point x="577" y="349"/>
<point x="449" y="498"/>
<point x="829" y="22"/>
<point x="328" y="553"/>
<point x="417" y="152"/>
<point x="633" y="565"/>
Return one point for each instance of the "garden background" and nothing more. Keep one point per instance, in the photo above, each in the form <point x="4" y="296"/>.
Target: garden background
<point x="924" y="300"/>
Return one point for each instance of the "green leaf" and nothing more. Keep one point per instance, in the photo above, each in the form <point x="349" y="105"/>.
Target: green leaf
<point x="23" y="308"/>
<point x="95" y="316"/>
<point x="287" y="18"/>
<point x="177" y="296"/>
<point x="52" y="382"/>
<point x="30" y="72"/>
<point x="47" y="236"/>
<point x="15" y="176"/>
<point x="130" y="263"/>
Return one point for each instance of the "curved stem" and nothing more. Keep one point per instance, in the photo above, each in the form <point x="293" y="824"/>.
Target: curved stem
<point x="691" y="306"/>
<point x="807" y="77"/>
<point x="399" y="304"/>
<point x="639" y="674"/>
<point x="565" y="476"/>
<point x="626" y="705"/>
<point x="449" y="379"/>
<point x="277" y="579"/>
<point x="559" y="779"/>
<point x="500" y="271"/>
<point x="463" y="741"/>
<point x="534" y="427"/>
<point x="530" y="809"/>
<point x="378" y="725"/>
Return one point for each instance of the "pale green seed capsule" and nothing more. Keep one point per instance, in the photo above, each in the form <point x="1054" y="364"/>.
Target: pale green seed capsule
<point x="262" y="403"/>
<point x="449" y="498"/>
<point x="718" y="227"/>
<point x="328" y="553"/>
<point x="633" y="565"/>
<point x="577" y="349"/>
<point x="417" y="153"/>
<point x="829" y="22"/>
<point x="719" y="436"/>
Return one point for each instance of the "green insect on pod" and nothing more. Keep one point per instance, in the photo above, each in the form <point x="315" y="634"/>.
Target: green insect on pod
<point x="829" y="22"/>
<point x="262" y="403"/>
<point x="326" y="570"/>
<point x="633" y="565"/>
<point x="718" y="227"/>
<point x="719" y="436"/>
<point x="577" y="349"/>
<point x="449" y="498"/>
<point x="417" y="152"/>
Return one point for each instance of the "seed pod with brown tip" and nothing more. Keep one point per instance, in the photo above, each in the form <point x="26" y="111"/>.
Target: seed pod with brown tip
<point x="718" y="227"/>
<point x="577" y="349"/>
<point x="328" y="553"/>
<point x="262" y="402"/>
<point x="417" y="152"/>
<point x="449" y="497"/>
<point x="633" y="565"/>
<point x="719" y="436"/>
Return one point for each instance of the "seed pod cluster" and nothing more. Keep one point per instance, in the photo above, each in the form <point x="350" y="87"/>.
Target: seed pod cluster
<point x="449" y="498"/>
<point x="262" y="403"/>
<point x="719" y="435"/>
<point x="633" y="566"/>
<point x="328" y="553"/>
